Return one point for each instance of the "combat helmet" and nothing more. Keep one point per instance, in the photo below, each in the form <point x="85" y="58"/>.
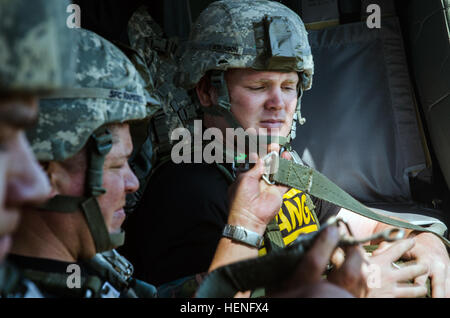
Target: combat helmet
<point x="257" y="34"/>
<point x="36" y="46"/>
<point x="108" y="90"/>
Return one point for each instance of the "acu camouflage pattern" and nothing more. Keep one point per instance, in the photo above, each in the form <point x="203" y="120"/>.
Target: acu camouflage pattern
<point x="147" y="37"/>
<point x="36" y="50"/>
<point x="230" y="34"/>
<point x="151" y="139"/>
<point x="66" y="122"/>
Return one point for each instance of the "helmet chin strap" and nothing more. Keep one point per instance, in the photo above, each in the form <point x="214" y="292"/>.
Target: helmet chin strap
<point x="297" y="116"/>
<point x="99" y="146"/>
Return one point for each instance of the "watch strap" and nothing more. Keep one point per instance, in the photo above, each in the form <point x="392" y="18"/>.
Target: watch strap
<point x="242" y="235"/>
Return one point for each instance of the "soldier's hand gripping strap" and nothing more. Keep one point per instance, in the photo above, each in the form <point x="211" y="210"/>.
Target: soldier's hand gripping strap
<point x="266" y="271"/>
<point x="271" y="270"/>
<point x="316" y="184"/>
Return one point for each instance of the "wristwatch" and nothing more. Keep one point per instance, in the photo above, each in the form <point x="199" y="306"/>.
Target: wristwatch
<point x="242" y="235"/>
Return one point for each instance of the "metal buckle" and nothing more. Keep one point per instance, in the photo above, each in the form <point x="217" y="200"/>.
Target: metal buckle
<point x="120" y="264"/>
<point x="271" y="164"/>
<point x="108" y="291"/>
<point x="388" y="235"/>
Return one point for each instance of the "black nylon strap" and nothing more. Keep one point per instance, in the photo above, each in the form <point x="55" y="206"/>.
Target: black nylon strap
<point x="265" y="271"/>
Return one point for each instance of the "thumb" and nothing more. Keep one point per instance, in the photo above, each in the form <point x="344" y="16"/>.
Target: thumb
<point x="286" y="155"/>
<point x="257" y="171"/>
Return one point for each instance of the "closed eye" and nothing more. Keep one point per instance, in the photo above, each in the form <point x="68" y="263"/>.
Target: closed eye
<point x="256" y="88"/>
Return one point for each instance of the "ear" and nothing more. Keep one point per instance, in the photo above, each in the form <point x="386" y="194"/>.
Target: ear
<point x="55" y="174"/>
<point x="206" y="93"/>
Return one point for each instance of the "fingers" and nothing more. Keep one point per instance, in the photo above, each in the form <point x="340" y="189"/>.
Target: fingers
<point x="338" y="257"/>
<point x="256" y="171"/>
<point x="410" y="272"/>
<point x="349" y="275"/>
<point x="438" y="276"/>
<point x="438" y="279"/>
<point x="273" y="147"/>
<point x="395" y="251"/>
<point x="276" y="147"/>
<point x="447" y="284"/>
<point x="410" y="291"/>
<point x="314" y="262"/>
<point x="382" y="247"/>
<point x="421" y="280"/>
<point x="286" y="155"/>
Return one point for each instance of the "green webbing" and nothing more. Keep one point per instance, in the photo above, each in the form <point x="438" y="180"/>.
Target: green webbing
<point x="99" y="145"/>
<point x="273" y="240"/>
<point x="316" y="184"/>
<point x="270" y="269"/>
<point x="223" y="106"/>
<point x="96" y="224"/>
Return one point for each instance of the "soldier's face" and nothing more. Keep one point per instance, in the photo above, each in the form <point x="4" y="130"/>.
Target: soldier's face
<point x="118" y="179"/>
<point x="263" y="99"/>
<point x="22" y="180"/>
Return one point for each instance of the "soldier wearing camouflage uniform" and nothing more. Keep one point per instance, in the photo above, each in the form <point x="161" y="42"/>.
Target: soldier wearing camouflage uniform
<point x="249" y="63"/>
<point x="82" y="140"/>
<point x="191" y="201"/>
<point x="152" y="138"/>
<point x="35" y="58"/>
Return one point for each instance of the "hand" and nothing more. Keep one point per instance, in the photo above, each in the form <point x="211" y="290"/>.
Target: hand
<point x="254" y="203"/>
<point x="386" y="281"/>
<point x="349" y="274"/>
<point x="348" y="280"/>
<point x="430" y="251"/>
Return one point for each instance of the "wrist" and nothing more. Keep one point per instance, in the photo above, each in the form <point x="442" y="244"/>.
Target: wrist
<point x="243" y="235"/>
<point x="248" y="221"/>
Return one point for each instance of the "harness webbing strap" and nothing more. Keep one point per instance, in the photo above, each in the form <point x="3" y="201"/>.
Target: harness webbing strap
<point x="273" y="240"/>
<point x="316" y="184"/>
<point x="268" y="270"/>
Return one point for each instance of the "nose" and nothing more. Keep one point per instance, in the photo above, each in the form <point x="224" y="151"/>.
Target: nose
<point x="131" y="181"/>
<point x="27" y="183"/>
<point x="275" y="99"/>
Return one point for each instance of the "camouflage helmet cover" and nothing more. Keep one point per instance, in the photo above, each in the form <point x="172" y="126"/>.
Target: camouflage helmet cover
<point x="108" y="90"/>
<point x="258" y="34"/>
<point x="35" y="46"/>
